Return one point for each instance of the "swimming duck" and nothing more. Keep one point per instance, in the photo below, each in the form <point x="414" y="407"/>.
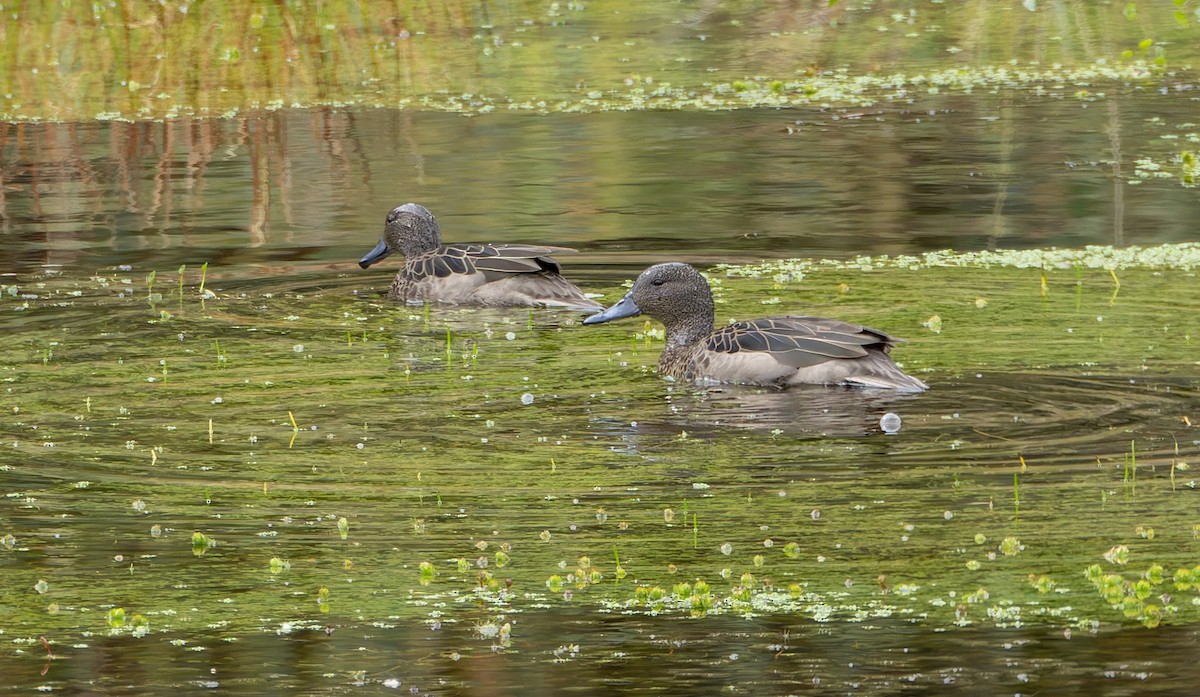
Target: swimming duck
<point x="471" y="274"/>
<point x="775" y="351"/>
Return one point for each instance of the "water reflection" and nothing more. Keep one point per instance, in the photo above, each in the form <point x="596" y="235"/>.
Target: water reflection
<point x="307" y="188"/>
<point x="559" y="652"/>
<point x="808" y="411"/>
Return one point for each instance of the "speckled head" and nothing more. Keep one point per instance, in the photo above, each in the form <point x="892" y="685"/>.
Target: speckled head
<point x="671" y="293"/>
<point x="410" y="230"/>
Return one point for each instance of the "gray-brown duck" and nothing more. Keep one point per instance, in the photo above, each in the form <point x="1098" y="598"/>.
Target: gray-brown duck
<point x="471" y="274"/>
<point x="775" y="351"/>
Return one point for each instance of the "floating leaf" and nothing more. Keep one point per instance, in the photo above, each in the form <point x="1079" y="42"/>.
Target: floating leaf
<point x="116" y="617"/>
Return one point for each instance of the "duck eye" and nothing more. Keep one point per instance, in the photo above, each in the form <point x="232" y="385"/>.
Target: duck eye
<point x="657" y="282"/>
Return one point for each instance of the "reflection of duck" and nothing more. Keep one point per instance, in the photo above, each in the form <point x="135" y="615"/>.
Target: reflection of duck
<point x="471" y="274"/>
<point x="776" y="351"/>
<point x="806" y="412"/>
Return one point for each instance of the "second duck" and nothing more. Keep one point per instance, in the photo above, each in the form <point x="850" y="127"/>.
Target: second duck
<point x="471" y="274"/>
<point x="775" y="351"/>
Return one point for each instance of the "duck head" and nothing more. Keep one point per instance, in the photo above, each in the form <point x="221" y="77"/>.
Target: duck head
<point x="410" y="229"/>
<point x="673" y="293"/>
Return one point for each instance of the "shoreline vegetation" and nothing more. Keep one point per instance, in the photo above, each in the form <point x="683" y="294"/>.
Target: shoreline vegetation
<point x="140" y="60"/>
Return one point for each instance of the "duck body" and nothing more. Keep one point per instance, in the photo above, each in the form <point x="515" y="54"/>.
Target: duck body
<point x="491" y="275"/>
<point x="774" y="351"/>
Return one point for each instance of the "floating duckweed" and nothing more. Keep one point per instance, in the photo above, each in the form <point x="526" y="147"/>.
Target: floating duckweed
<point x="1043" y="584"/>
<point x="116" y="618"/>
<point x="681" y="590"/>
<point x="1118" y="555"/>
<point x="428" y="572"/>
<point x="758" y="561"/>
<point x="323" y="599"/>
<point x="974" y="565"/>
<point x="201" y="543"/>
<point x="1184" y="256"/>
<point x="462" y="564"/>
<point x="343" y="526"/>
<point x="980" y="538"/>
<point x="1010" y="546"/>
<point x="139" y="626"/>
<point x="1155" y="574"/>
<point x="41" y="586"/>
<point x="502" y="559"/>
<point x="701" y="602"/>
<point x="277" y="565"/>
<point x="791" y="550"/>
<point x="555" y="584"/>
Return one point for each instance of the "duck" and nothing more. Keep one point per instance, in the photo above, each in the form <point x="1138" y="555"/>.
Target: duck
<point x="490" y="275"/>
<point x="774" y="351"/>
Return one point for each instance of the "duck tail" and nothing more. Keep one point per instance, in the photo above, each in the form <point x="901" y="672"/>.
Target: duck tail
<point x="882" y="372"/>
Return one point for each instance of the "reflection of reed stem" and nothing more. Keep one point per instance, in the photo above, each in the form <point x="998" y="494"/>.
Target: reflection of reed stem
<point x="1114" y="139"/>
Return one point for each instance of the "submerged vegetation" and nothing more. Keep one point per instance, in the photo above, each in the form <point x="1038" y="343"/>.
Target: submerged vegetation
<point x="201" y="457"/>
<point x="292" y="472"/>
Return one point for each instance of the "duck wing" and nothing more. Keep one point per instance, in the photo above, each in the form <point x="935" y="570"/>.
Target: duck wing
<point x="800" y="342"/>
<point x="494" y="260"/>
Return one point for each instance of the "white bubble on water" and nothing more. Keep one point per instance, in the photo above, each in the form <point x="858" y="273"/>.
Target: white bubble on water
<point x="527" y="399"/>
<point x="890" y="423"/>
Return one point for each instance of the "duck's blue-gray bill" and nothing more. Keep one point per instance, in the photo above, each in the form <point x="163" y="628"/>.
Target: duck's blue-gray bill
<point x="374" y="255"/>
<point x="625" y="307"/>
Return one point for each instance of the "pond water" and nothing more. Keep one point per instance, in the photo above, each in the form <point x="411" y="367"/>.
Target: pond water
<point x="228" y="462"/>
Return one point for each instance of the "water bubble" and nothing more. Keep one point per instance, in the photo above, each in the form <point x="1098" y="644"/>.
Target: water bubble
<point x="527" y="399"/>
<point x="726" y="549"/>
<point x="298" y="348"/>
<point x="510" y="336"/>
<point x="890" y="423"/>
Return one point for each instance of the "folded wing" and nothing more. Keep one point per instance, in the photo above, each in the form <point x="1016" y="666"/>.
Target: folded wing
<point x="492" y="260"/>
<point x="800" y="342"/>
